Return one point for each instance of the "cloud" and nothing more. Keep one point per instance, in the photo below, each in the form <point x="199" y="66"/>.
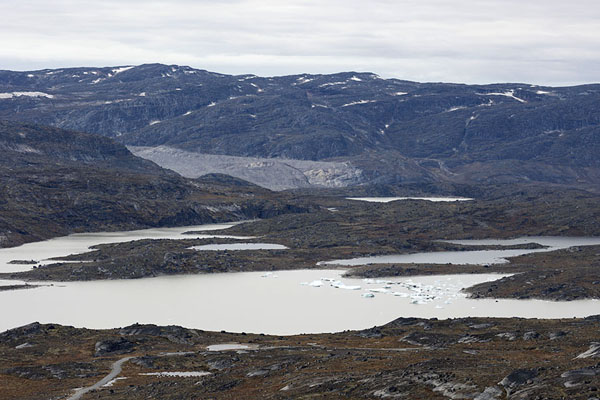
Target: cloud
<point x="544" y="42"/>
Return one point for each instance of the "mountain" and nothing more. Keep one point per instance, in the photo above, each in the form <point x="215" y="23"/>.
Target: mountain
<point x="54" y="182"/>
<point x="385" y="130"/>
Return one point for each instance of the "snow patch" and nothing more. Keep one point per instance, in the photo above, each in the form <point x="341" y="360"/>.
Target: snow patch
<point x="359" y="102"/>
<point x="154" y="122"/>
<point x="455" y="108"/>
<point x="302" y="80"/>
<point x="112" y="382"/>
<point x="356" y="79"/>
<point x="11" y="95"/>
<point x="509" y="93"/>
<point x="332" y="84"/>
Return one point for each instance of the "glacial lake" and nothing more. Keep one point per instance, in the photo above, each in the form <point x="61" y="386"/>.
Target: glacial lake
<point x="480" y="257"/>
<point x="282" y="302"/>
<point x="388" y="199"/>
<point x="80" y="243"/>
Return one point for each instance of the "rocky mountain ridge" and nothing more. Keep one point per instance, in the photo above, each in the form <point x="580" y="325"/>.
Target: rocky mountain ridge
<point x="54" y="182"/>
<point x="396" y="131"/>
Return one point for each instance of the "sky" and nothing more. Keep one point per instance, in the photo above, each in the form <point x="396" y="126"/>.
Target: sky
<point x="545" y="42"/>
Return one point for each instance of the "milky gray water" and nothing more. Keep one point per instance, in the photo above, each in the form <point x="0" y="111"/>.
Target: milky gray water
<point x="80" y="243"/>
<point x="478" y="257"/>
<point x="283" y="302"/>
<point x="279" y="303"/>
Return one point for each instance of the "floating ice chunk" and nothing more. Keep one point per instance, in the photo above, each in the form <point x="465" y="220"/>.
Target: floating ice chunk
<point x="368" y="295"/>
<point x="316" y="284"/>
<point x="347" y="287"/>
<point x="400" y="294"/>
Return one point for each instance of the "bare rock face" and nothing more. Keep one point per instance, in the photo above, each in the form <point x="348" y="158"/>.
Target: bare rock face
<point x="120" y="346"/>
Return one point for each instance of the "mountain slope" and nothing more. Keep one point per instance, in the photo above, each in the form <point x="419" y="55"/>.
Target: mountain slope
<point x="436" y="131"/>
<point x="54" y="182"/>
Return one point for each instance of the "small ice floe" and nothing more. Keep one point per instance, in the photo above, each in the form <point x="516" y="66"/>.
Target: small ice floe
<point x="340" y="285"/>
<point x="349" y="287"/>
<point x="400" y="294"/>
<point x="179" y="374"/>
<point x="379" y="290"/>
<point x="368" y="295"/>
<point x="316" y="283"/>
<point x="112" y="382"/>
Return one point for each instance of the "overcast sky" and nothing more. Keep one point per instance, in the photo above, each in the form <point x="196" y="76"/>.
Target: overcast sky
<point x="553" y="42"/>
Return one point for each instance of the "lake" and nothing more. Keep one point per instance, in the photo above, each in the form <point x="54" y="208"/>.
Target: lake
<point x="282" y="302"/>
<point x="479" y="257"/>
<point x="80" y="243"/>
